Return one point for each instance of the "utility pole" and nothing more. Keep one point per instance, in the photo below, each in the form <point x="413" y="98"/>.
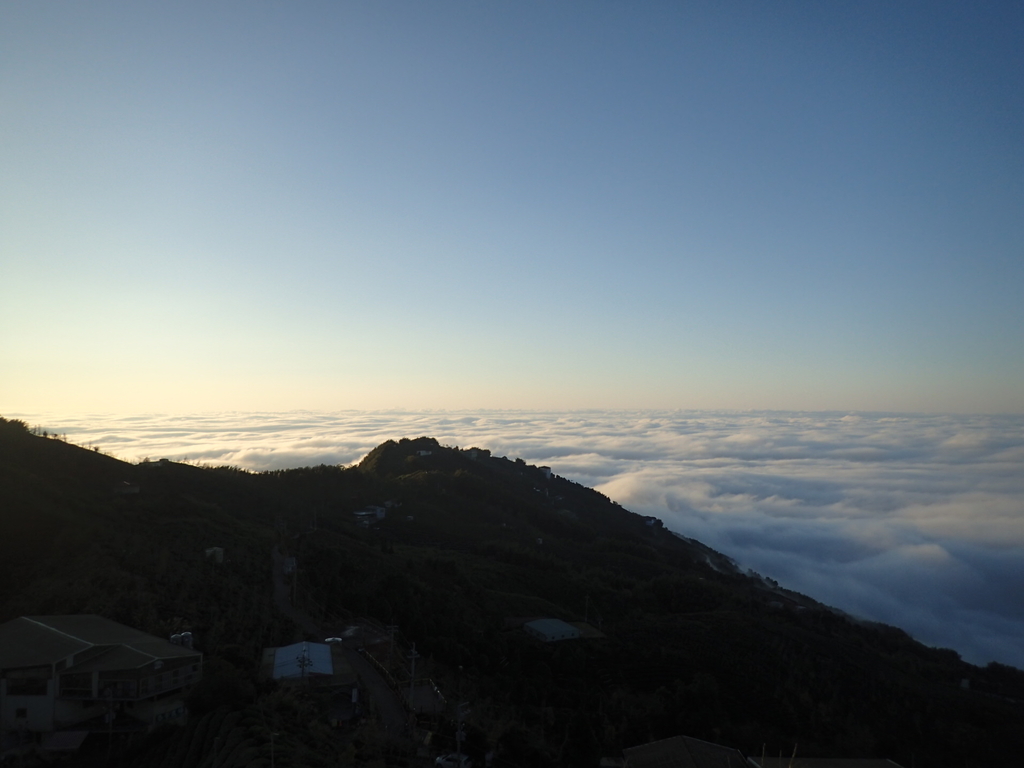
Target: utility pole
<point x="304" y="661"/>
<point x="295" y="582"/>
<point x="461" y="711"/>
<point x="412" y="674"/>
<point x="391" y="628"/>
<point x="110" y="719"/>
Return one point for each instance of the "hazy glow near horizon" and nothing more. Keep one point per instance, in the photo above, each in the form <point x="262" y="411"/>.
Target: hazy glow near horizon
<point x="265" y="206"/>
<point x="917" y="521"/>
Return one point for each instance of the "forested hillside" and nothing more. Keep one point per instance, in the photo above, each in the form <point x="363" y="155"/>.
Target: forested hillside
<point x="679" y="641"/>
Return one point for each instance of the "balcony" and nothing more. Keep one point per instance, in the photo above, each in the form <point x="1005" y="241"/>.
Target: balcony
<point x="67" y="692"/>
<point x="129" y="690"/>
<point x="157" y="684"/>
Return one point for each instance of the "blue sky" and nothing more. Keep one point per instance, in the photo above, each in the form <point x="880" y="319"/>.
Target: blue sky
<point x="512" y="205"/>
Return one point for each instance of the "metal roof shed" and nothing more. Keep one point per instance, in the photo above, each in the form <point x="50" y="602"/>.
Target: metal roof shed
<point x="551" y="630"/>
<point x="683" y="752"/>
<point x="302" y="660"/>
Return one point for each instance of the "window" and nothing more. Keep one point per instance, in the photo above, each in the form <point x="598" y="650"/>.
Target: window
<point x="27" y="682"/>
<point x="26" y="687"/>
<point x="76" y="685"/>
<point x="117" y="689"/>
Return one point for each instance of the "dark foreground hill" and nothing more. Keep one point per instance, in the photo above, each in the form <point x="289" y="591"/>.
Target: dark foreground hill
<point x="678" y="640"/>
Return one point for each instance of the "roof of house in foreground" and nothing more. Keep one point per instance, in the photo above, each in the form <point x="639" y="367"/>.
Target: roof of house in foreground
<point x="823" y="762"/>
<point x="320" y="663"/>
<point x="303" y="659"/>
<point x="683" y="752"/>
<point x="38" y="640"/>
<point x="552" y="626"/>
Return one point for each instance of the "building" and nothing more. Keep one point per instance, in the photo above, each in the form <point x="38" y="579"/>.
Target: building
<point x="87" y="672"/>
<point x="320" y="664"/>
<point x="551" y="630"/>
<point x="372" y="512"/>
<point x="302" y="660"/>
<point x="683" y="752"/>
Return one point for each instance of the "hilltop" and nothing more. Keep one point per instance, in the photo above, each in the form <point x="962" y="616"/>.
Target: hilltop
<point x="677" y="639"/>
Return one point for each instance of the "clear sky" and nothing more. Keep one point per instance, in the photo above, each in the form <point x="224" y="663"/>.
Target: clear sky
<point x="268" y="205"/>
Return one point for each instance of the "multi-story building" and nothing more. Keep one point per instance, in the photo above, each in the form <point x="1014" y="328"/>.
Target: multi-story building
<point x="86" y="672"/>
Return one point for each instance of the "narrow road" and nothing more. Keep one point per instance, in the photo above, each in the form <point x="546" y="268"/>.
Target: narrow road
<point x="392" y="715"/>
<point x="283" y="601"/>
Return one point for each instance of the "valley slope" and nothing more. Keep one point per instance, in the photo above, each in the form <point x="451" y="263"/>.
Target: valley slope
<point x="471" y="546"/>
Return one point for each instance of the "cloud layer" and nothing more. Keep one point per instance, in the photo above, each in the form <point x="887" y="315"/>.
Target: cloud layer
<point x="916" y="521"/>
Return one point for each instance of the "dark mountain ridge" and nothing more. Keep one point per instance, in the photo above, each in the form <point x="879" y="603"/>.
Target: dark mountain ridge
<point x="471" y="545"/>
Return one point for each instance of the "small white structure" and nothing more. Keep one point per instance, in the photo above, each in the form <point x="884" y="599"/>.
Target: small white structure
<point x="216" y="554"/>
<point x="423" y="453"/>
<point x="371" y="512"/>
<point x="551" y="630"/>
<point x="546" y="471"/>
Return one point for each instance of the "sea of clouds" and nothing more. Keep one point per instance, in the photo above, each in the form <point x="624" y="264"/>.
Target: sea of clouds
<point x="912" y="520"/>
